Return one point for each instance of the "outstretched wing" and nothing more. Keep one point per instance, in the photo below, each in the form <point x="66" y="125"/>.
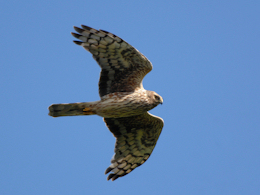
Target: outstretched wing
<point x="123" y="66"/>
<point x="136" y="138"/>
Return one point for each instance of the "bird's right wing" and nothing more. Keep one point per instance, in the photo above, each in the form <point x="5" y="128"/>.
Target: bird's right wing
<point x="136" y="138"/>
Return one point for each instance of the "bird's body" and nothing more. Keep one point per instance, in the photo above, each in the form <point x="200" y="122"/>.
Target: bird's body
<point x="123" y="101"/>
<point x="114" y="105"/>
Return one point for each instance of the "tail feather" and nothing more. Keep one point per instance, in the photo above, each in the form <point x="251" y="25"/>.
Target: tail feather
<point x="74" y="109"/>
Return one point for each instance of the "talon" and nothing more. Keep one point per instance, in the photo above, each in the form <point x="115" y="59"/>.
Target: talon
<point x="87" y="111"/>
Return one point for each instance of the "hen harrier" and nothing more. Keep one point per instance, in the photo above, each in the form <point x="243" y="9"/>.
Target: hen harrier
<point x="124" y="102"/>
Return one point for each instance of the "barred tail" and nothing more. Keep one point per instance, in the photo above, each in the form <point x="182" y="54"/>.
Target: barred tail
<point x="85" y="108"/>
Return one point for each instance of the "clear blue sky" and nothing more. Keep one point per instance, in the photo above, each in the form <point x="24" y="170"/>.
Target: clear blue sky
<point x="206" y="58"/>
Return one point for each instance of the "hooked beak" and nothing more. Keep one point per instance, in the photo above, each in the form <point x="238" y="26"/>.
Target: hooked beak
<point x="161" y="101"/>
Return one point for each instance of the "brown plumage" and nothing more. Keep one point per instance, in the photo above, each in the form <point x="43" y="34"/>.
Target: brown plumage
<point x="124" y="102"/>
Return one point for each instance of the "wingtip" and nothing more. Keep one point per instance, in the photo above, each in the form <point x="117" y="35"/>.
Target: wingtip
<point x="79" y="30"/>
<point x="78" y="42"/>
<point x="85" y="27"/>
<point x="115" y="177"/>
<point x="108" y="170"/>
<point x="112" y="176"/>
<point x="75" y="35"/>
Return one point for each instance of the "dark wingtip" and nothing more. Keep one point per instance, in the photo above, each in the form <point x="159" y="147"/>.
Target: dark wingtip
<point x="75" y="35"/>
<point x="115" y="177"/>
<point x="79" y="30"/>
<point x="112" y="176"/>
<point x="108" y="170"/>
<point x="78" y="42"/>
<point x="86" y="27"/>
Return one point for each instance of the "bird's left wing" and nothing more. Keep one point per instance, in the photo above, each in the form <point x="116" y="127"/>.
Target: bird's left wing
<point x="136" y="138"/>
<point x="123" y="66"/>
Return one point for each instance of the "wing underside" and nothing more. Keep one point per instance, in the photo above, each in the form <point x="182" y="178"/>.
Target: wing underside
<point x="123" y="66"/>
<point x="136" y="138"/>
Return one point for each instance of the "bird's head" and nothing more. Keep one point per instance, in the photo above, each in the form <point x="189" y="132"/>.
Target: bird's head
<point x="157" y="98"/>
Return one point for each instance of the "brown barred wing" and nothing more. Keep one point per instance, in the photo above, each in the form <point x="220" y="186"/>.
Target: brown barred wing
<point x="136" y="138"/>
<point x="123" y="66"/>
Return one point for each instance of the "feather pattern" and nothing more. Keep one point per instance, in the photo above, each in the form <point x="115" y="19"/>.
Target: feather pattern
<point x="123" y="66"/>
